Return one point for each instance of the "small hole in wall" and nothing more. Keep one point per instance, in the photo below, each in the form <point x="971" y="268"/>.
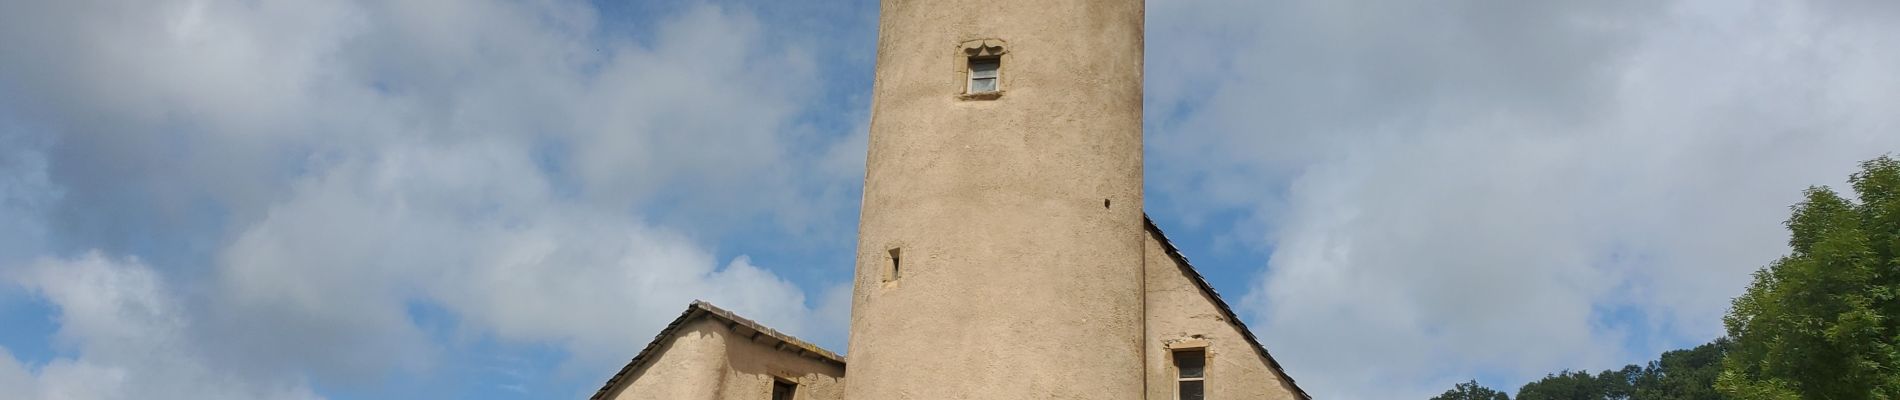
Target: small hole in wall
<point x="1104" y="203"/>
<point x="896" y="267"/>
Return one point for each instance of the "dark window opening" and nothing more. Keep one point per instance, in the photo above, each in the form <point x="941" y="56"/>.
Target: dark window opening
<point x="1191" y="372"/>
<point x="896" y="269"/>
<point x="782" y="390"/>
<point x="1192" y="390"/>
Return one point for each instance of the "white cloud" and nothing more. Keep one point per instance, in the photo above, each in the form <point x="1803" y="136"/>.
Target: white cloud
<point x="314" y="171"/>
<point x="1448" y="188"/>
<point x="131" y="336"/>
<point x="1463" y="188"/>
<point x="13" y="375"/>
<point x="474" y="230"/>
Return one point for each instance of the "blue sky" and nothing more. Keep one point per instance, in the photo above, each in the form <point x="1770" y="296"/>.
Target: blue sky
<point x="502" y="199"/>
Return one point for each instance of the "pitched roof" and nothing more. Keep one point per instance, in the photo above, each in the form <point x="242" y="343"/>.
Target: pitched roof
<point x="1226" y="311"/>
<point x="791" y="344"/>
<point x="701" y="309"/>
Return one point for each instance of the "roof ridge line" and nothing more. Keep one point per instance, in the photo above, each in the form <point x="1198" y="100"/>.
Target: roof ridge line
<point x="701" y="308"/>
<point x="1226" y="311"/>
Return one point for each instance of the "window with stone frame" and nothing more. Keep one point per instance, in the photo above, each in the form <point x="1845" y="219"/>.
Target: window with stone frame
<point x="1191" y="374"/>
<point x="983" y="61"/>
<point x="985" y="75"/>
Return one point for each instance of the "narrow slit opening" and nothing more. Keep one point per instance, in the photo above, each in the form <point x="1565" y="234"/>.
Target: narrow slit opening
<point x="896" y="267"/>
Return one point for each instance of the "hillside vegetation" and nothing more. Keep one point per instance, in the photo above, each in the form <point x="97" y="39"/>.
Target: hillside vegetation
<point x="1822" y="322"/>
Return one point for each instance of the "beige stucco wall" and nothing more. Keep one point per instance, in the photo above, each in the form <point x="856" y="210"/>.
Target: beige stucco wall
<point x="753" y="367"/>
<point x="706" y="361"/>
<point x="1018" y="219"/>
<point x="689" y="367"/>
<point x="1179" y="312"/>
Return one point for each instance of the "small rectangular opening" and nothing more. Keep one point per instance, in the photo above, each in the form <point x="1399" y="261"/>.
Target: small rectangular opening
<point x="895" y="269"/>
<point x="984" y="73"/>
<point x="1191" y="374"/>
<point x="782" y="390"/>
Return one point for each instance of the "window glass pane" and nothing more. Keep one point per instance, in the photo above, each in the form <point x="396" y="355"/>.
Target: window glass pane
<point x="1193" y="390"/>
<point x="1191" y="363"/>
<point x="984" y="85"/>
<point x="983" y="68"/>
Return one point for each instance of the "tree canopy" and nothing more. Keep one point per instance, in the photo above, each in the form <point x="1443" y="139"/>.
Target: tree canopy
<point x="1679" y="375"/>
<point x="1820" y="322"/>
<point x="1472" y="391"/>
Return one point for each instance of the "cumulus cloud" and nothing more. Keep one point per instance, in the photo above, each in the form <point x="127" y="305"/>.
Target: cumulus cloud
<point x="132" y="339"/>
<point x="302" y="180"/>
<point x="1448" y="189"/>
<point x="1464" y="189"/>
<point x="473" y="230"/>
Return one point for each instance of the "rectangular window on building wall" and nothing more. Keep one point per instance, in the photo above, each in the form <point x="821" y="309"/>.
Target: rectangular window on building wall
<point x="782" y="390"/>
<point x="1191" y="374"/>
<point x="984" y="72"/>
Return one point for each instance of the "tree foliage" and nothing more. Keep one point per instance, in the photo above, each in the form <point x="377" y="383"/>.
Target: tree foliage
<point x="1472" y="391"/>
<point x="1820" y="323"/>
<point x="1678" y="375"/>
<point x="1571" y="385"/>
<point x="1684" y="374"/>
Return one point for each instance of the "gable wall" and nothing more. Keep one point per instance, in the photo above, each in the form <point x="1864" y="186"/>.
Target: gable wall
<point x="690" y="366"/>
<point x="706" y="360"/>
<point x="753" y="366"/>
<point x="1177" y="311"/>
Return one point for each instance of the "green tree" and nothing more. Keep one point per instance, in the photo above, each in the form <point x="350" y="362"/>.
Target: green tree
<point x="1819" y="323"/>
<point x="1678" y="375"/>
<point x="1683" y="374"/>
<point x="1472" y="391"/>
<point x="1566" y="385"/>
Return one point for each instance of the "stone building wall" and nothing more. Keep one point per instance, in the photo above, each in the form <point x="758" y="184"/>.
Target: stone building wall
<point x="754" y="366"/>
<point x="706" y="360"/>
<point x="690" y="366"/>
<point x="1182" y="316"/>
<point x="1013" y="218"/>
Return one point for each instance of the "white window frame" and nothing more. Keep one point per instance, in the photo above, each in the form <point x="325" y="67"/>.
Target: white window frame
<point x="1179" y="377"/>
<point x="995" y="75"/>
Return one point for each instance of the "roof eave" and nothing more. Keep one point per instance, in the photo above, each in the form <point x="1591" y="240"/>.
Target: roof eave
<point x="1226" y="311"/>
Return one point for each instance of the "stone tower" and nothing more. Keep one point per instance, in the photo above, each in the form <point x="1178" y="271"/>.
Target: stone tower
<point x="1001" y="241"/>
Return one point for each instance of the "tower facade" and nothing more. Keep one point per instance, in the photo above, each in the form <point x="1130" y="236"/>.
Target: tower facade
<point x="1001" y="239"/>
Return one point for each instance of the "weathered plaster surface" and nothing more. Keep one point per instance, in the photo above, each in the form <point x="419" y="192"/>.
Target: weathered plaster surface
<point x="754" y="366"/>
<point x="690" y="367"/>
<point x="706" y="360"/>
<point x="1182" y="315"/>
<point x="1019" y="216"/>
